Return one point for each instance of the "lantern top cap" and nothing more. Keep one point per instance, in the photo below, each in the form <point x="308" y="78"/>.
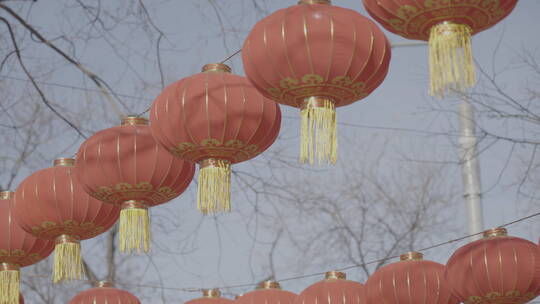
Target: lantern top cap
<point x="4" y="195"/>
<point x="411" y="256"/>
<point x="216" y="67"/>
<point x="269" y="284"/>
<point x="328" y="2"/>
<point x="64" y="162"/>
<point x="499" y="231"/>
<point x="335" y="275"/>
<point x="103" y="284"/>
<point x="211" y="293"/>
<point x="133" y="120"/>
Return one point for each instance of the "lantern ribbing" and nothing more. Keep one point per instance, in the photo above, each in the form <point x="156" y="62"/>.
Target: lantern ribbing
<point x="140" y="174"/>
<point x="496" y="269"/>
<point x="51" y="204"/>
<point x="18" y="249"/>
<point x="216" y="119"/>
<point x="320" y="57"/>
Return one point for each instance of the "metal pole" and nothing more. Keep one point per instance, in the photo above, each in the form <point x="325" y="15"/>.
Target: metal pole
<point x="470" y="168"/>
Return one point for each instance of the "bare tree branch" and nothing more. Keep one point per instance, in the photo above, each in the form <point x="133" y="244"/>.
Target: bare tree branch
<point x="102" y="85"/>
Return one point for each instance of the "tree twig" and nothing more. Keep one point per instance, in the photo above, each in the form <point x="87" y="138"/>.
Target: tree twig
<point x="100" y="83"/>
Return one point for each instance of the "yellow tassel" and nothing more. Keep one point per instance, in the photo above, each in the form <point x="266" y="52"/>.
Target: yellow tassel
<point x="67" y="259"/>
<point x="134" y="230"/>
<point x="318" y="131"/>
<point x="9" y="283"/>
<point x="214" y="193"/>
<point x="451" y="63"/>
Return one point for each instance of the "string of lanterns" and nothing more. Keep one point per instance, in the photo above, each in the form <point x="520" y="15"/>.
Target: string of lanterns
<point x="303" y="276"/>
<point x="486" y="271"/>
<point x="313" y="56"/>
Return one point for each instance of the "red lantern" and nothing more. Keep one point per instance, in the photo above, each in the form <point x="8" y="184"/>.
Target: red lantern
<point x="210" y="296"/>
<point x="51" y="204"/>
<point x="104" y="293"/>
<point x="448" y="26"/>
<point x="315" y="56"/>
<point x="410" y="281"/>
<point x="215" y="119"/>
<point x="268" y="292"/>
<point x="17" y="249"/>
<point x="495" y="269"/>
<point x="126" y="167"/>
<point x="334" y="289"/>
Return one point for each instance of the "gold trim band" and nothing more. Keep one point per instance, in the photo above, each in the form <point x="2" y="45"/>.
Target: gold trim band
<point x="411" y="256"/>
<point x="216" y="67"/>
<point x="4" y="195"/>
<point x="9" y="267"/>
<point x="133" y="204"/>
<point x="214" y="162"/>
<point x="270" y="284"/>
<point x="64" y="162"/>
<point x="328" y="2"/>
<point x="499" y="231"/>
<point x="103" y="284"/>
<point x="64" y="238"/>
<point x="211" y="293"/>
<point x="448" y="27"/>
<point x="132" y="120"/>
<point x="335" y="275"/>
<point x="317" y="102"/>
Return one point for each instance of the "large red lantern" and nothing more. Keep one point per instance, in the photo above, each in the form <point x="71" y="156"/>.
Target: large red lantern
<point x="268" y="292"/>
<point x="215" y="119"/>
<point x="104" y="293"/>
<point x="210" y="296"/>
<point x="448" y="26"/>
<point x="410" y="281"/>
<point x="334" y="289"/>
<point x="316" y="57"/>
<point x="496" y="269"/>
<point x="52" y="205"/>
<point x="126" y="167"/>
<point x="17" y="249"/>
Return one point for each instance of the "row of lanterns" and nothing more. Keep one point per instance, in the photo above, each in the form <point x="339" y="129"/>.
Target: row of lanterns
<point x="496" y="269"/>
<point x="313" y="56"/>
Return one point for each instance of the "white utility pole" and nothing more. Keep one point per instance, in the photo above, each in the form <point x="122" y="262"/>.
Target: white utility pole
<point x="468" y="157"/>
<point x="470" y="168"/>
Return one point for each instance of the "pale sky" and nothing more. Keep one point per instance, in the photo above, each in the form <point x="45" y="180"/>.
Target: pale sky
<point x="400" y="104"/>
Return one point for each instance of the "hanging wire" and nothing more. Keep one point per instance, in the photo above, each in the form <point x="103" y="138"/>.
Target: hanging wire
<point x="393" y="45"/>
<point x="231" y="56"/>
<point x="197" y="289"/>
<point x="363" y="126"/>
